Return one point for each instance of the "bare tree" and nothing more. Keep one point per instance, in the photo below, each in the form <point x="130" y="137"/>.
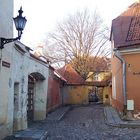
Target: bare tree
<point x="77" y="38"/>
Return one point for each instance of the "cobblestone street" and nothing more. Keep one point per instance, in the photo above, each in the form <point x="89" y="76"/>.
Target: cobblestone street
<point x="86" y="123"/>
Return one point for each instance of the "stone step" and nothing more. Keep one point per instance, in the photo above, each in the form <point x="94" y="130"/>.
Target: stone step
<point x="31" y="134"/>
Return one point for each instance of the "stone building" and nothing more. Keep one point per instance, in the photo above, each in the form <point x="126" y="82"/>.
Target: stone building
<point x="23" y="80"/>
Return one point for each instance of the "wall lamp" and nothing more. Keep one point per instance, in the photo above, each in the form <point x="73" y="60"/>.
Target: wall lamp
<point x="19" y="24"/>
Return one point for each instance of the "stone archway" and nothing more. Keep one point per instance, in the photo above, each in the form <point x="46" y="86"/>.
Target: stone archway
<point x="35" y="82"/>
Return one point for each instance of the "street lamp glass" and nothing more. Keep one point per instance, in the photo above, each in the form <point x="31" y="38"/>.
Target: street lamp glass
<point x="20" y="21"/>
<point x="20" y="24"/>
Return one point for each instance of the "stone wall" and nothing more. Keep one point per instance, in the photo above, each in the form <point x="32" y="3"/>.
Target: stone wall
<point x="14" y="89"/>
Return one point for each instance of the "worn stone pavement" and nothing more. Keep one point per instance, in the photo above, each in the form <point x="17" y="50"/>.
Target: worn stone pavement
<point x="84" y="123"/>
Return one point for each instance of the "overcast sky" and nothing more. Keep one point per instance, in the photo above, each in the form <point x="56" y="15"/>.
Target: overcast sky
<point x="42" y="15"/>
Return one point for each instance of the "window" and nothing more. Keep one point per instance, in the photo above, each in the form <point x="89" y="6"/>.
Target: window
<point x="96" y="77"/>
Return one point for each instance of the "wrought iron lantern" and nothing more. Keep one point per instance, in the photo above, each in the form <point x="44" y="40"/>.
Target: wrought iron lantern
<point x="20" y="22"/>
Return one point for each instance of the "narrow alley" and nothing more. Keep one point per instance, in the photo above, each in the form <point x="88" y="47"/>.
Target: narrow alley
<point x="85" y="123"/>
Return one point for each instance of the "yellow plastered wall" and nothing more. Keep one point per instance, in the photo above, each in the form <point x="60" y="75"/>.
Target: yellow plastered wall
<point x="106" y="96"/>
<point x="76" y="94"/>
<point x="79" y="94"/>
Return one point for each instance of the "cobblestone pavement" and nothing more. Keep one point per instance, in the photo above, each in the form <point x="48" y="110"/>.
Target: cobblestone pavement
<point x="86" y="123"/>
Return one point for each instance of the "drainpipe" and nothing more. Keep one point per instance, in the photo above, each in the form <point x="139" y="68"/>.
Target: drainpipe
<point x="117" y="54"/>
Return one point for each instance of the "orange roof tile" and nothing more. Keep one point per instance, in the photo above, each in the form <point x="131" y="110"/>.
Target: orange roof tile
<point x="126" y="27"/>
<point x="71" y="75"/>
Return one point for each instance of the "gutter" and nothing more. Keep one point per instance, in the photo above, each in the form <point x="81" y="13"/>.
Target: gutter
<point x="117" y="54"/>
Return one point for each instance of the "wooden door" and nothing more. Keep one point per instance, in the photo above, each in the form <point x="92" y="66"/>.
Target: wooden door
<point x="30" y="104"/>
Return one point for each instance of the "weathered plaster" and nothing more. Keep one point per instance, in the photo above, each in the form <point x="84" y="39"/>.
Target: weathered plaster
<point x="21" y="69"/>
<point x="14" y="79"/>
<point x="76" y="94"/>
<point x="6" y="30"/>
<point x="13" y="113"/>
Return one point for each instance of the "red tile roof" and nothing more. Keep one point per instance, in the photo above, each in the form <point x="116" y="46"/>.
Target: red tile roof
<point x="126" y="27"/>
<point x="71" y="75"/>
<point x="101" y="64"/>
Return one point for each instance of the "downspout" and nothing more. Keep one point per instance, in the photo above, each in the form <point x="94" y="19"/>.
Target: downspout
<point x="117" y="54"/>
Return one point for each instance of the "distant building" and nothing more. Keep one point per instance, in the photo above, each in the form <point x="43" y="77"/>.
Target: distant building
<point x="102" y="76"/>
<point x="76" y="90"/>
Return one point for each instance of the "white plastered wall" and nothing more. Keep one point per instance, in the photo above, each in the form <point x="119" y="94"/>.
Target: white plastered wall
<point x="6" y="31"/>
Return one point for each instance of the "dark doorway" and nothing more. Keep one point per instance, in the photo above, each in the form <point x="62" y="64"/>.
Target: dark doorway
<point x="30" y="104"/>
<point x="92" y="95"/>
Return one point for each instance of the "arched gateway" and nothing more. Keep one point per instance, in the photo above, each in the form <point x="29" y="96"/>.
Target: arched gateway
<point x="33" y="80"/>
<point x="30" y="86"/>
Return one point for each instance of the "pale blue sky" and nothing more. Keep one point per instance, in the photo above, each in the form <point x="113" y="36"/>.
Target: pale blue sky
<point x="42" y="15"/>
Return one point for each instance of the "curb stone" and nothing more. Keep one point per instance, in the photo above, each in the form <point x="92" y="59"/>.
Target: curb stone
<point x="58" y="114"/>
<point x="113" y="119"/>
